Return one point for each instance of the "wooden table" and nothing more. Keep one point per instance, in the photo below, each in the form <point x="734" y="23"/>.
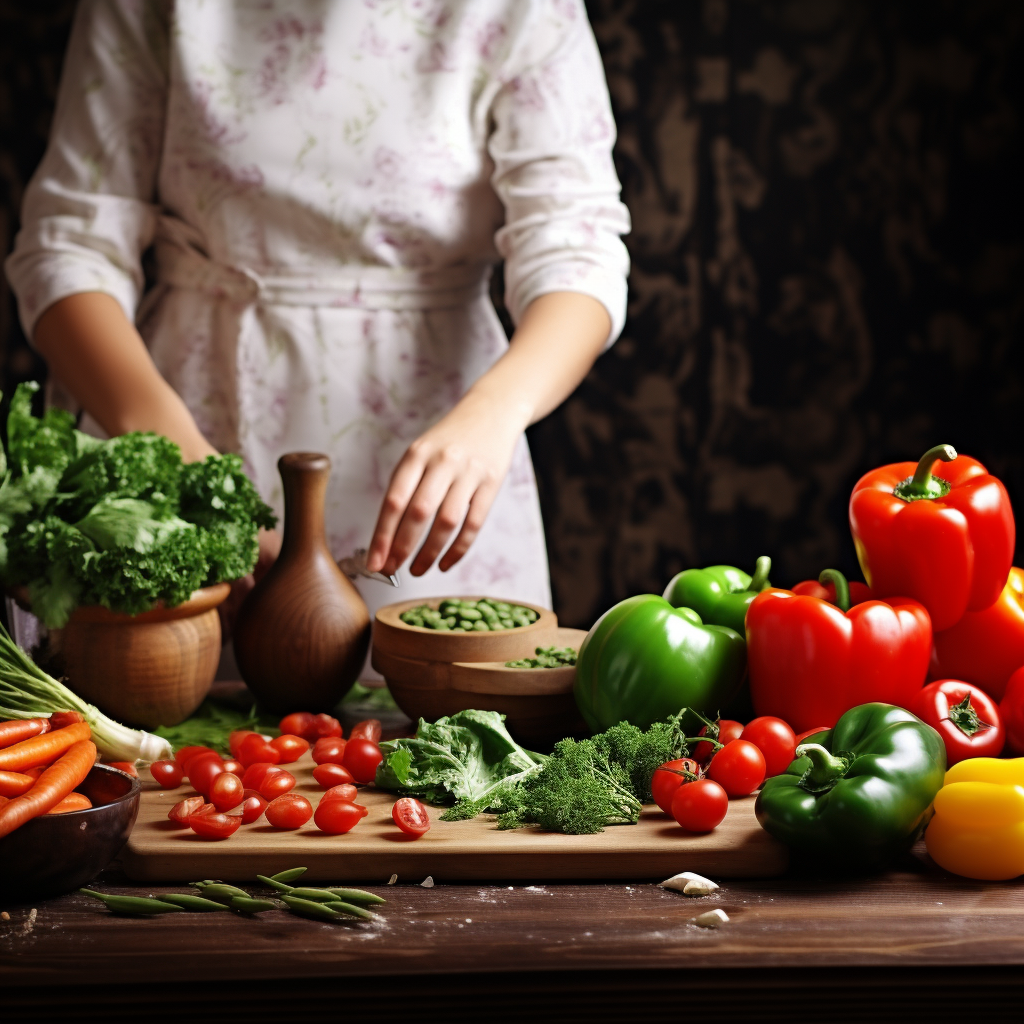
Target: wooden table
<point x="914" y="944"/>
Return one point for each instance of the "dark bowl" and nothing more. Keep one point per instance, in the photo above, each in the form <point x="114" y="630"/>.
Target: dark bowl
<point x="55" y="853"/>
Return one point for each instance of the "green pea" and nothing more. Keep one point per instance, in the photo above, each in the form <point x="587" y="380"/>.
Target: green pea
<point x="473" y="614"/>
<point x="481" y="627"/>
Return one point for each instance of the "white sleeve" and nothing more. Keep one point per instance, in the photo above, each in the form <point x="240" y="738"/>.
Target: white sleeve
<point x="552" y="152"/>
<point x="89" y="210"/>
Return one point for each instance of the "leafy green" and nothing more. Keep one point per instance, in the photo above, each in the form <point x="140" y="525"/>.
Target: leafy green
<point x="120" y="523"/>
<point x="467" y="759"/>
<point x="213" y="722"/>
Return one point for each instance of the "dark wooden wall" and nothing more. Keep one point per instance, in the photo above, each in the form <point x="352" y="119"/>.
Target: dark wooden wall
<point x="827" y="270"/>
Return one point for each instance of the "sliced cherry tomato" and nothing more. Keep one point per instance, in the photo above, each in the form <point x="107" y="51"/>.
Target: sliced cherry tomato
<point x="128" y="767"/>
<point x="727" y="730"/>
<point x="289" y="811"/>
<point x="366" y="730"/>
<point x="226" y="791"/>
<point x="337" y="816"/>
<point x="299" y="723"/>
<point x="202" y="770"/>
<point x="410" y="816"/>
<point x="738" y="768"/>
<point x="804" y="736"/>
<point x="775" y="739"/>
<point x="346" y="791"/>
<point x="361" y="759"/>
<point x="235" y="767"/>
<point x="254" y="775"/>
<point x="665" y="781"/>
<point x="289" y="748"/>
<point x="276" y="784"/>
<point x="324" y="725"/>
<point x="329" y="750"/>
<point x="328" y="775"/>
<point x="253" y="806"/>
<point x="214" y="825"/>
<point x="235" y="739"/>
<point x="255" y="748"/>
<point x="168" y="774"/>
<point x="183" y="755"/>
<point x="184" y="809"/>
<point x="700" y="806"/>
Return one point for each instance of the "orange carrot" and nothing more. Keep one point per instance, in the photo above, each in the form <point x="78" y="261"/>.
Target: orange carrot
<point x="51" y="787"/>
<point x="60" y="719"/>
<point x="19" y="729"/>
<point x="15" y="783"/>
<point x="42" y="749"/>
<point x="72" y="802"/>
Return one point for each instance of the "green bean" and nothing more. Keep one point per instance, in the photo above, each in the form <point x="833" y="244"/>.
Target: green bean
<point x="348" y="908"/>
<point x="273" y="883"/>
<point x="220" y="891"/>
<point x="356" y="895"/>
<point x="135" y="906"/>
<point x="289" y="876"/>
<point x="316" y="895"/>
<point x="248" y="905"/>
<point x="307" y="908"/>
<point x="189" y="902"/>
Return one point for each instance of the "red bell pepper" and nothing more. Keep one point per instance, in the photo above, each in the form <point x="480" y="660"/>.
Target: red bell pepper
<point x="942" y="535"/>
<point x="1011" y="709"/>
<point x="964" y="716"/>
<point x="811" y="661"/>
<point x="985" y="647"/>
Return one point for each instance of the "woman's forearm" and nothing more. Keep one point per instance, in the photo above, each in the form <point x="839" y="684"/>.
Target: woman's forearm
<point x="98" y="355"/>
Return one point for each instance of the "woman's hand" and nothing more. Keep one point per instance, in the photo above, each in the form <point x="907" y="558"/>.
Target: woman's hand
<point x="452" y="473"/>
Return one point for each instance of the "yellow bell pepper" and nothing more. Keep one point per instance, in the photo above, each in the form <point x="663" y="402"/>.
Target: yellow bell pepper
<point x="978" y="827"/>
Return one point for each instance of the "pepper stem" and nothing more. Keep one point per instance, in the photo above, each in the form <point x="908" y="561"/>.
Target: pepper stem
<point x="922" y="484"/>
<point x="825" y="769"/>
<point x="838" y="580"/>
<point x="760" y="578"/>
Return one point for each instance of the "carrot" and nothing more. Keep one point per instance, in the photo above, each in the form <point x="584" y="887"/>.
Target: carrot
<point x="15" y="783"/>
<point x="51" y="787"/>
<point x="60" y="719"/>
<point x="42" y="749"/>
<point x="22" y="729"/>
<point x="72" y="802"/>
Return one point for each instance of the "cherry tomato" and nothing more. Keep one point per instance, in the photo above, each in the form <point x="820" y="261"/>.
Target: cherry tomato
<point x="775" y="739"/>
<point x="337" y="816"/>
<point x="128" y="767"/>
<point x="226" y="791"/>
<point x="255" y="774"/>
<point x="410" y="816"/>
<point x="328" y="775"/>
<point x="289" y="811"/>
<point x="366" y="730"/>
<point x="324" y="725"/>
<point x="290" y="748"/>
<point x="329" y="750"/>
<point x="202" y="770"/>
<point x="665" y="783"/>
<point x="184" y="809"/>
<point x="700" y="806"/>
<point x="804" y="736"/>
<point x="214" y="825"/>
<point x="299" y="723"/>
<point x="738" y="768"/>
<point x="183" y="755"/>
<point x="974" y="730"/>
<point x="361" y="759"/>
<point x="346" y="791"/>
<point x="235" y="739"/>
<point x="235" y="767"/>
<point x="255" y="748"/>
<point x="167" y="773"/>
<point x="727" y="730"/>
<point x="253" y="806"/>
<point x="276" y="784"/>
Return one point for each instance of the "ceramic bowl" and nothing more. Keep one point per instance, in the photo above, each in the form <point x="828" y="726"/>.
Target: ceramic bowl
<point x="56" y="853"/>
<point x="431" y="673"/>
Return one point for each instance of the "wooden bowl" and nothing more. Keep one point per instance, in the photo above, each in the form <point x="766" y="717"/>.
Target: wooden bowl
<point x="56" y="853"/>
<point x="432" y="673"/>
<point x="145" y="670"/>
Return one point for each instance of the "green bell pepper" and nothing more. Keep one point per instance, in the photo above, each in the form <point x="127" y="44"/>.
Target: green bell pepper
<point x="860" y="793"/>
<point x="719" y="594"/>
<point x="643" y="660"/>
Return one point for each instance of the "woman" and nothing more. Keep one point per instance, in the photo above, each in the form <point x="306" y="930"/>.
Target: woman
<point x="326" y="186"/>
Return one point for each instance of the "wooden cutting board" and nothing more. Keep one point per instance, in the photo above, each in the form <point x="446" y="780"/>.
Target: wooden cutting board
<point x="460" y="851"/>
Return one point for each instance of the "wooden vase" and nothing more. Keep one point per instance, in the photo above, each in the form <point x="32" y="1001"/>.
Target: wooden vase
<point x="302" y="633"/>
